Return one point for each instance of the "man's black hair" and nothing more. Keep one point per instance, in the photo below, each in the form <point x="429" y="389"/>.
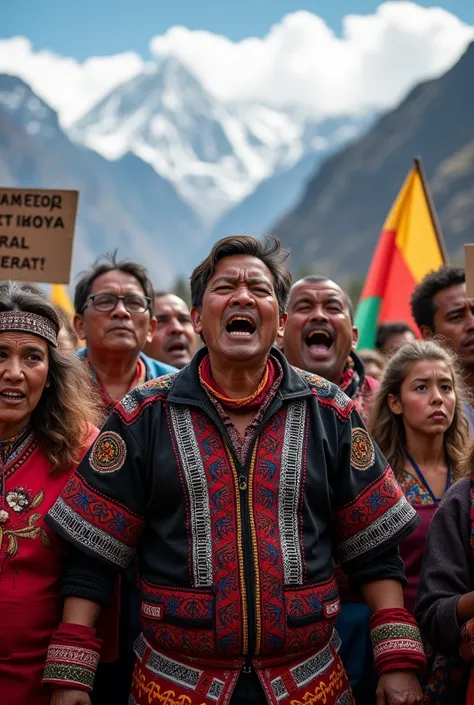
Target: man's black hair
<point x="422" y="307"/>
<point x="317" y="278"/>
<point x="110" y="263"/>
<point x="386" y="330"/>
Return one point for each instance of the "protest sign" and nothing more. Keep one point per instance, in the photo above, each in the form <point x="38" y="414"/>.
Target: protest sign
<point x="36" y="234"/>
<point x="469" y="262"/>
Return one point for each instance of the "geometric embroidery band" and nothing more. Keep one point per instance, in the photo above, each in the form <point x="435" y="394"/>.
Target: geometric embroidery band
<point x="90" y="536"/>
<point x="196" y="483"/>
<point x="379" y="532"/>
<point x="304" y="672"/>
<point x="29" y="323"/>
<point x="177" y="673"/>
<point x="291" y="469"/>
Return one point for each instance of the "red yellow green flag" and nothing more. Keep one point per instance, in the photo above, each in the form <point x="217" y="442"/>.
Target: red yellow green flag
<point x="409" y="247"/>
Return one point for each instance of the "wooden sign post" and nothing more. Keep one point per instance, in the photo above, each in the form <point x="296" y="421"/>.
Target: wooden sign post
<point x="36" y="234"/>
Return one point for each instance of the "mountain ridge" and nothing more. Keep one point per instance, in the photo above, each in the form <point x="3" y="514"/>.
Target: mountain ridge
<point x="216" y="153"/>
<point x="115" y="197"/>
<point x="348" y="198"/>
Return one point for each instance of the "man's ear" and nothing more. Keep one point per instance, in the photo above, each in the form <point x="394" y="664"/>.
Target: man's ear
<point x="196" y="320"/>
<point x="355" y="337"/>
<point x="151" y="329"/>
<point x="78" y="323"/>
<point x="281" y="327"/>
<point x="426" y="333"/>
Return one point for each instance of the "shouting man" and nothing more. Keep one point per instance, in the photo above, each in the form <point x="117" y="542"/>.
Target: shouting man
<point x="320" y="337"/>
<point x="235" y="481"/>
<point x="174" y="340"/>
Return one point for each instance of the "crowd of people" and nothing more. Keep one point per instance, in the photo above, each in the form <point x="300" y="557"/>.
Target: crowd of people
<point x="266" y="515"/>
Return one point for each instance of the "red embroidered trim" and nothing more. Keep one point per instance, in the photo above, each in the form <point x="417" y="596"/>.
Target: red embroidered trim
<point x="466" y="647"/>
<point x="132" y="406"/>
<point x="311" y="612"/>
<point x="222" y="499"/>
<point x="372" y="502"/>
<point x="265" y="510"/>
<point x="101" y="511"/>
<point x="342" y="412"/>
<point x="25" y="454"/>
<point x="186" y="624"/>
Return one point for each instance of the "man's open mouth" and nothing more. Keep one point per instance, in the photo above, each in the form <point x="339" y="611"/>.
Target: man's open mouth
<point x="240" y="326"/>
<point x="319" y="340"/>
<point x="177" y="347"/>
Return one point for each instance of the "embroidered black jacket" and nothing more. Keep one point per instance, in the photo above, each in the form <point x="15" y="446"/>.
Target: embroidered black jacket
<point x="235" y="559"/>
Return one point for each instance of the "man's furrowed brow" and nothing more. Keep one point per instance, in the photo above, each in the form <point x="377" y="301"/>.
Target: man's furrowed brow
<point x="455" y="310"/>
<point x="224" y="278"/>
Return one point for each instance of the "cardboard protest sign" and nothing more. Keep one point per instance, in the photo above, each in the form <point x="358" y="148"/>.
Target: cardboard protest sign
<point x="469" y="261"/>
<point x="36" y="234"/>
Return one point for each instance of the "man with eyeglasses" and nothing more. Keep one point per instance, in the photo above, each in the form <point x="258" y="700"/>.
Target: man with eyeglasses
<point x="113" y="303"/>
<point x="114" y="315"/>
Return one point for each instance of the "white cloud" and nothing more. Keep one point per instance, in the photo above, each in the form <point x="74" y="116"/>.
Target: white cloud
<point x="377" y="59"/>
<point x="300" y="61"/>
<point x="67" y="85"/>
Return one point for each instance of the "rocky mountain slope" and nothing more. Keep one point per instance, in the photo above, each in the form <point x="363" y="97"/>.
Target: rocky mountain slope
<point x="335" y="225"/>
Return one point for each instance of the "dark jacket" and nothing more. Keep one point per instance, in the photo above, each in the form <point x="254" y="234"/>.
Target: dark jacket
<point x="235" y="559"/>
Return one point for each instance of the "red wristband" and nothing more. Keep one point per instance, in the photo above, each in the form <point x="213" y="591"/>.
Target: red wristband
<point x="73" y="656"/>
<point x="396" y="641"/>
<point x="466" y="647"/>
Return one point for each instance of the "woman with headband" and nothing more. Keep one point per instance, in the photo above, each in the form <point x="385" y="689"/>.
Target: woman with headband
<point x="47" y="409"/>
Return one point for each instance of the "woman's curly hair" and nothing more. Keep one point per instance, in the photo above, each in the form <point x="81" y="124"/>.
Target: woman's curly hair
<point x="69" y="406"/>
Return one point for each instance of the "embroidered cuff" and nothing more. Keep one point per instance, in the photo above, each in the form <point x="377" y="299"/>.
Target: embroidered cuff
<point x="73" y="656"/>
<point x="466" y="647"/>
<point x="396" y="641"/>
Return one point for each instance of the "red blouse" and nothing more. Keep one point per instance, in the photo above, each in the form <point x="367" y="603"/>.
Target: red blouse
<point x="30" y="564"/>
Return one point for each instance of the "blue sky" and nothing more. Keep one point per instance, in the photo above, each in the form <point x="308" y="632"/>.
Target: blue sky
<point x="103" y="27"/>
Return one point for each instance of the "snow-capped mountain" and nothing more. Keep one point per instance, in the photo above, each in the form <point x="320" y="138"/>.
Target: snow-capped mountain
<point x="30" y="112"/>
<point x="216" y="154"/>
<point x="123" y="204"/>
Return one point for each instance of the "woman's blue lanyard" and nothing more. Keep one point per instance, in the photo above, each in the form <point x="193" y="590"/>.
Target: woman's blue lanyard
<point x="422" y="478"/>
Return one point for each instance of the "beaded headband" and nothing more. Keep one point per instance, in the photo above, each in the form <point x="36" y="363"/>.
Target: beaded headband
<point x="29" y="323"/>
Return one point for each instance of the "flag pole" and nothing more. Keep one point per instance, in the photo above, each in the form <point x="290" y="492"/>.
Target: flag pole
<point x="431" y="207"/>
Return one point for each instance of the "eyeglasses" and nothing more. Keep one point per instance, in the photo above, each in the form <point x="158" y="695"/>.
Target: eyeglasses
<point x="134" y="303"/>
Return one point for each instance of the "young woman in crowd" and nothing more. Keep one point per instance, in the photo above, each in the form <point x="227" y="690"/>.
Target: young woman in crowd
<point x="47" y="412"/>
<point x="420" y="427"/>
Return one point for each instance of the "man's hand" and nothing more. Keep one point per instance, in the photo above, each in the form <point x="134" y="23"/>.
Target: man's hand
<point x="398" y="688"/>
<point x="70" y="696"/>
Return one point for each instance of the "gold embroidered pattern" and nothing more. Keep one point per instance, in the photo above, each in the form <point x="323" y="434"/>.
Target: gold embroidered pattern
<point x="109" y="453"/>
<point x="30" y="531"/>
<point x="325" y="689"/>
<point x="154" y="694"/>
